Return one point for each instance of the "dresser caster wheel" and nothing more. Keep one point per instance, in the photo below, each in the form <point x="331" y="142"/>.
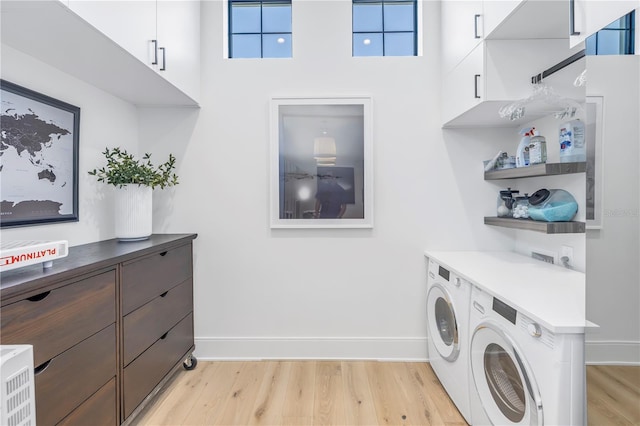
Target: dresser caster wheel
<point x="190" y="363"/>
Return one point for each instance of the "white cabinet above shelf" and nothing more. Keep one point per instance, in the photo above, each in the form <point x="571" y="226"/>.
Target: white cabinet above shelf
<point x="51" y="32"/>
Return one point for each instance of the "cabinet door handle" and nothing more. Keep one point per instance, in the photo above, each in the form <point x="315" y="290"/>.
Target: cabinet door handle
<point x="475" y="26"/>
<point x="38" y="297"/>
<point x="39" y="369"/>
<point x="572" y="17"/>
<point x="155" y="52"/>
<point x="475" y="86"/>
<point x="164" y="294"/>
<point x="164" y="336"/>
<point x="164" y="59"/>
<point x="164" y="253"/>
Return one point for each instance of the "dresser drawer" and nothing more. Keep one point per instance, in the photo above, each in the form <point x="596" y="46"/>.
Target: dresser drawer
<point x="55" y="321"/>
<point x="100" y="409"/>
<point x="146" y="371"/>
<point x="147" y="278"/>
<point x="146" y="324"/>
<point x="75" y="375"/>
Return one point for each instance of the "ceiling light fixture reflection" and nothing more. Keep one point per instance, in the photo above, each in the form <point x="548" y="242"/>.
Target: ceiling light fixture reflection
<point x="366" y="41"/>
<point x="324" y="150"/>
<point x="280" y="40"/>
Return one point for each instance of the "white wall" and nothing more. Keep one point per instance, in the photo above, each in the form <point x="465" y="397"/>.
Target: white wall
<point x="613" y="252"/>
<point x="263" y="293"/>
<point x="104" y="121"/>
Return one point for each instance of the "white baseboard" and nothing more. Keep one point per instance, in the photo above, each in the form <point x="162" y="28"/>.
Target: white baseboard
<point x="612" y="352"/>
<point x="351" y="348"/>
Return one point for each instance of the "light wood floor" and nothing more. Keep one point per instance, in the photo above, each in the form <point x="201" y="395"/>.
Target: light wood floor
<point x="349" y="393"/>
<point x="613" y="395"/>
<point x="304" y="393"/>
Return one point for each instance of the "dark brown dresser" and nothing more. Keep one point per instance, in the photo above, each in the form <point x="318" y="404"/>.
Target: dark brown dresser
<point x="109" y="325"/>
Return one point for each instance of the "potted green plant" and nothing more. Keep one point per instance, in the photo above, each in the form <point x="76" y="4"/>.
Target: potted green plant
<point x="134" y="180"/>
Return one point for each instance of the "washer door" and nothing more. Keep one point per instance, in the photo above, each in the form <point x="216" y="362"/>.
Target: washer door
<point x="502" y="378"/>
<point x="442" y="323"/>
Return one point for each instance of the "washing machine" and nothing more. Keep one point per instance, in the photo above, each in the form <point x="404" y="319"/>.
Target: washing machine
<point x="521" y="372"/>
<point x="448" y="298"/>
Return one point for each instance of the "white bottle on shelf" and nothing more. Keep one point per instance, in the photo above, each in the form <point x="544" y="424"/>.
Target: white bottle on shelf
<point x="573" y="146"/>
<point x="522" y="152"/>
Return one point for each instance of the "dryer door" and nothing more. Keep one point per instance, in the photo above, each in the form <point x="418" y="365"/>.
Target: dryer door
<point x="442" y="323"/>
<point x="503" y="379"/>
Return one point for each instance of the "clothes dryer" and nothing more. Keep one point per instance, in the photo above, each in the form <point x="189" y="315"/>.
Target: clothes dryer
<point x="448" y="298"/>
<point x="522" y="373"/>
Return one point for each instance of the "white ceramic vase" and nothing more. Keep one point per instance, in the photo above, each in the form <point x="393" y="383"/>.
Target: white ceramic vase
<point x="133" y="208"/>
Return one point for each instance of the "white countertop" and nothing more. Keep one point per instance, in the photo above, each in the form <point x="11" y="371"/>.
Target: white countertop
<point x="551" y="295"/>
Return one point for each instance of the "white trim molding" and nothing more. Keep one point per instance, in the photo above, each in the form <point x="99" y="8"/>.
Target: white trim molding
<point x="612" y="352"/>
<point x="316" y="348"/>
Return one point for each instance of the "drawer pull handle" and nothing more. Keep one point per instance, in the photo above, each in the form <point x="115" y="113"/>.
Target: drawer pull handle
<point x="39" y="369"/>
<point x="164" y="294"/>
<point x="164" y="253"/>
<point x="164" y="336"/>
<point x="38" y="297"/>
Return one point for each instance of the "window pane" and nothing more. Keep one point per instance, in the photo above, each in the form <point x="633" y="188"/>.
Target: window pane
<point x="245" y="17"/>
<point x="398" y="16"/>
<point x="610" y="43"/>
<point x="367" y="44"/>
<point x="590" y="45"/>
<point x="276" y="45"/>
<point x="245" y="46"/>
<point x="276" y="18"/>
<point x="398" y="44"/>
<point x="618" y="24"/>
<point x="367" y="17"/>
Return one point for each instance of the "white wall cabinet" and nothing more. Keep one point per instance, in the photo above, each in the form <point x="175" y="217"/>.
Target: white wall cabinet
<point x="462" y="25"/>
<point x="591" y="16"/>
<point x="163" y="34"/>
<point x="131" y="24"/>
<point x="494" y="74"/>
<point x="178" y="35"/>
<point x="53" y="33"/>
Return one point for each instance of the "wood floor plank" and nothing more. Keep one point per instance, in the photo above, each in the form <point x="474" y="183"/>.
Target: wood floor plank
<point x="179" y="397"/>
<point x="445" y="408"/>
<point x="625" y="375"/>
<point x="298" y="405"/>
<point x="328" y="403"/>
<point x="606" y="388"/>
<point x="240" y="401"/>
<point x="358" y="401"/>
<point x="422" y="410"/>
<point x="271" y="396"/>
<point x="211" y="400"/>
<point x="390" y="409"/>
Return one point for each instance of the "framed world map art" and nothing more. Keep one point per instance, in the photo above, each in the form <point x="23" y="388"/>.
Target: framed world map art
<point x="38" y="158"/>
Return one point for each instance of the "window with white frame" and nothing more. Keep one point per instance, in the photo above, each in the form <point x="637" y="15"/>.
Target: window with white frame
<point x="384" y="28"/>
<point x="259" y="28"/>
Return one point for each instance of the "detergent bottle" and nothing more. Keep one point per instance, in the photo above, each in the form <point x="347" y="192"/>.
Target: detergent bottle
<point x="572" y="142"/>
<point x="522" y="153"/>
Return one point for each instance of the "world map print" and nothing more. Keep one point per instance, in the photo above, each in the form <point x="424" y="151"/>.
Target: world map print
<point x="36" y="159"/>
